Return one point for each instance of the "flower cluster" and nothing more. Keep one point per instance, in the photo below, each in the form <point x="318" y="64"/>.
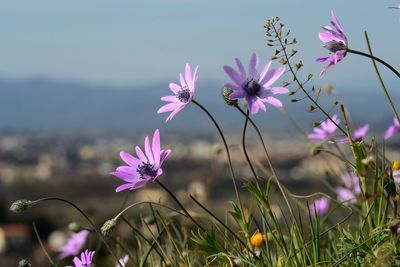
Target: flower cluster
<point x="325" y="131"/>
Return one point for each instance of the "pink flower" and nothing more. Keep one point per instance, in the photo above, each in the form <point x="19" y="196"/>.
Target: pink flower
<point x="395" y="7"/>
<point x="183" y="94"/>
<point x="351" y="190"/>
<point x="123" y="261"/>
<point x="143" y="169"/>
<point x="325" y="131"/>
<point x="320" y="206"/>
<point x="85" y="260"/>
<point x="74" y="244"/>
<point x="393" y="129"/>
<point x="358" y="134"/>
<point x="257" y="88"/>
<point x="335" y="41"/>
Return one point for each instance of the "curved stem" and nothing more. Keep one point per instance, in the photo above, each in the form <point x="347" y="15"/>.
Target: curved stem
<point x="227" y="152"/>
<point x="269" y="163"/>
<point x="374" y="58"/>
<point x="389" y="99"/>
<point x="41" y="244"/>
<point x="87" y="219"/>
<point x="180" y="204"/>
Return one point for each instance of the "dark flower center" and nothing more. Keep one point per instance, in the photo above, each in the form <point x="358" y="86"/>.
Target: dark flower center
<point x="146" y="169"/>
<point x="252" y="87"/>
<point x="184" y="95"/>
<point x="335" y="46"/>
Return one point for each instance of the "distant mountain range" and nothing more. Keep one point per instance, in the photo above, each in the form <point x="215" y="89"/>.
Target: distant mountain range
<point x="51" y="106"/>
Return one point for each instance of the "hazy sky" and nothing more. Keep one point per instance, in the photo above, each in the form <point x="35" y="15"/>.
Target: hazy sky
<point x="146" y="41"/>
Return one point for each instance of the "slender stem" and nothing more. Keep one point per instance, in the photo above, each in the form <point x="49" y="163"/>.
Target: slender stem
<point x="227" y="152"/>
<point x="374" y="58"/>
<point x="41" y="244"/>
<point x="87" y="219"/>
<point x="180" y="204"/>
<point x="301" y="85"/>
<point x="245" y="149"/>
<point x="269" y="162"/>
<point x="389" y="99"/>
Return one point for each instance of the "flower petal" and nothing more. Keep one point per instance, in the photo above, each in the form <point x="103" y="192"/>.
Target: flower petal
<point x="264" y="71"/>
<point x="170" y="98"/>
<point x="279" y="90"/>
<point x="129" y="159"/>
<point x="241" y="68"/>
<point x="273" y="101"/>
<point x="253" y="65"/>
<point x="123" y="187"/>
<point x="156" y="147"/>
<point x="188" y="75"/>
<point x="272" y="77"/>
<point x="336" y="23"/>
<point x="147" y="149"/>
<point x="169" y="107"/>
<point x="140" y="154"/>
<point x="234" y="75"/>
<point x="174" y="88"/>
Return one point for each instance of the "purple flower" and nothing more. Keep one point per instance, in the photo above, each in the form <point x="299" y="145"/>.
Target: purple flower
<point x="253" y="86"/>
<point x="74" y="244"/>
<point x="393" y="129"/>
<point x="351" y="190"/>
<point x="123" y="261"/>
<point x="358" y="135"/>
<point x="183" y="94"/>
<point x="335" y="41"/>
<point x="85" y="260"/>
<point x="320" y="206"/>
<point x="143" y="169"/>
<point x="345" y="195"/>
<point x="325" y="131"/>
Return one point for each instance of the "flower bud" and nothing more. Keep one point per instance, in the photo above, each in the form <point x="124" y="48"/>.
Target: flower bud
<point x="24" y="263"/>
<point x="108" y="227"/>
<point x="21" y="205"/>
<point x="281" y="261"/>
<point x="74" y="227"/>
<point x="226" y="92"/>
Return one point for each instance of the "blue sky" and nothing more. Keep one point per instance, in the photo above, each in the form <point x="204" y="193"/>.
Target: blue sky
<point x="139" y="42"/>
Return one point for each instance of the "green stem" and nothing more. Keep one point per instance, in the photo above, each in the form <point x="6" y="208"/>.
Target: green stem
<point x="389" y="99"/>
<point x="227" y="153"/>
<point x="179" y="204"/>
<point x="374" y="58"/>
<point x="41" y="244"/>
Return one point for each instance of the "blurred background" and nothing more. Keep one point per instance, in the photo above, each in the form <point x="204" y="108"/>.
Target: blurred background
<point x="82" y="80"/>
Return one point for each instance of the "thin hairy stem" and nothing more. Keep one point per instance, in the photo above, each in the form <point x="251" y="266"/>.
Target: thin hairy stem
<point x="41" y="244"/>
<point x="389" y="99"/>
<point x="227" y="152"/>
<point x="87" y="219"/>
<point x="245" y="149"/>
<point x="374" y="58"/>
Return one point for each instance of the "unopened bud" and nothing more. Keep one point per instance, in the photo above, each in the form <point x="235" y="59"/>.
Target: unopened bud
<point x="74" y="227"/>
<point x="24" y="263"/>
<point x="108" y="227"/>
<point x="21" y="205"/>
<point x="226" y="92"/>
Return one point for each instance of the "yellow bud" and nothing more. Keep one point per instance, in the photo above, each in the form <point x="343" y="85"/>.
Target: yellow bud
<point x="257" y="240"/>
<point x="280" y="262"/>
<point x="166" y="264"/>
<point x="396" y="165"/>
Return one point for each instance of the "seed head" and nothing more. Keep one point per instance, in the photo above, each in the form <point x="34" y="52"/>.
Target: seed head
<point x="21" y="205"/>
<point x="24" y="263"/>
<point x="108" y="227"/>
<point x="226" y="92"/>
